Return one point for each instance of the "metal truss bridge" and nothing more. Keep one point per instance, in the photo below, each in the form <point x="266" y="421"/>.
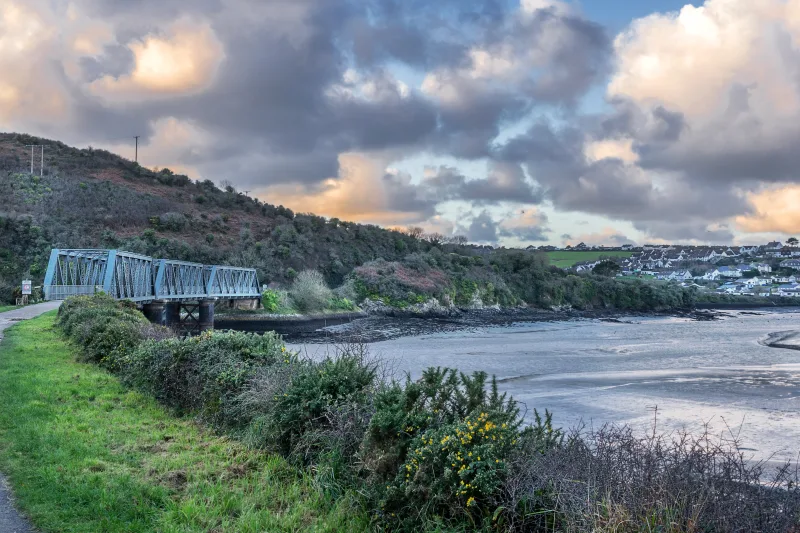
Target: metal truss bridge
<point x="142" y="279"/>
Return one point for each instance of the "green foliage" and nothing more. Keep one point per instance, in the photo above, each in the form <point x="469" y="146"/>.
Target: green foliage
<point x="429" y="436"/>
<point x="606" y="268"/>
<point x="316" y="389"/>
<point x="202" y="374"/>
<point x="271" y="300"/>
<point x="84" y="454"/>
<point x="105" y="329"/>
<point x="340" y="304"/>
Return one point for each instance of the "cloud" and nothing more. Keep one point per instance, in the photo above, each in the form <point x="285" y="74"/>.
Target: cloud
<point x="184" y="61"/>
<point x="314" y="102"/>
<point x="774" y="210"/>
<point x="520" y="227"/>
<point x="362" y="191"/>
<point x="528" y="225"/>
<point x="606" y="237"/>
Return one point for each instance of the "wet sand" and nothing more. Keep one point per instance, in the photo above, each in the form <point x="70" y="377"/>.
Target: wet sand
<point x="594" y="371"/>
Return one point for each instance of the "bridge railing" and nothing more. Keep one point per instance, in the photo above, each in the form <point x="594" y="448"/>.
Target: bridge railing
<point x="139" y="278"/>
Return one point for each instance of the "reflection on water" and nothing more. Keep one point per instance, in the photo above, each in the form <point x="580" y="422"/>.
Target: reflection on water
<point x="594" y="371"/>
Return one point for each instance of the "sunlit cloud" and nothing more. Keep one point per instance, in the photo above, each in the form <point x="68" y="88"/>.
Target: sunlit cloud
<point x="183" y="61"/>
<point x="775" y="210"/>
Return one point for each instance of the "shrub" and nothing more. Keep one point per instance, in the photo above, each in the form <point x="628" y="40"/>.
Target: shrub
<point x="341" y="304"/>
<point x="271" y="300"/>
<point x="202" y="374"/>
<point x="420" y="431"/>
<point x="315" y="390"/>
<point x="105" y="329"/>
<point x="309" y="292"/>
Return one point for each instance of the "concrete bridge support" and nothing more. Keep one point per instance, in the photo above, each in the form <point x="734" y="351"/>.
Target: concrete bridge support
<point x="156" y="312"/>
<point x="173" y="314"/>
<point x="188" y="318"/>
<point x="206" y="314"/>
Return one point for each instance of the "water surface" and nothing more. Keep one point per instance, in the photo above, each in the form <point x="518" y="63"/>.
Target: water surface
<point x="593" y="371"/>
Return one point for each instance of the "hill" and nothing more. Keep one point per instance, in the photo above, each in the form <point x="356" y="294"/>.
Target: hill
<point x="88" y="198"/>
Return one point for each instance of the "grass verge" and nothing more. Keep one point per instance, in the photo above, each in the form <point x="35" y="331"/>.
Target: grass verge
<point x="565" y="258"/>
<point x="84" y="454"/>
<point x="4" y="308"/>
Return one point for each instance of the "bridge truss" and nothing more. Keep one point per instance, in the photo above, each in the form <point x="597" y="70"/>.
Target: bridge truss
<point x="142" y="279"/>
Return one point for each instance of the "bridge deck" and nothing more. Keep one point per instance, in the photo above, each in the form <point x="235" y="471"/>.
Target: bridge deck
<point x="139" y="278"/>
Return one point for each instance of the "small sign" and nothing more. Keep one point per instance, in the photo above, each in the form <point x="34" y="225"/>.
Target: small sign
<point x="26" y="287"/>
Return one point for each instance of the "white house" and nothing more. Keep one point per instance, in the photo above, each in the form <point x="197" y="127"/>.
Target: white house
<point x="791" y="290"/>
<point x="757" y="282"/>
<point x="762" y="268"/>
<point x="680" y="275"/>
<point x="729" y="288"/>
<point x="729" y="272"/>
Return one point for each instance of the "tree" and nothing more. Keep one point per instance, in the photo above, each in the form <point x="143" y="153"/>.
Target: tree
<point x="458" y="240"/>
<point x="435" y="238"/>
<point x="792" y="241"/>
<point x="415" y="232"/>
<point x="606" y="268"/>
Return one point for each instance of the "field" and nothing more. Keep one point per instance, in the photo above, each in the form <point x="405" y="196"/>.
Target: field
<point x="565" y="259"/>
<point x="82" y="453"/>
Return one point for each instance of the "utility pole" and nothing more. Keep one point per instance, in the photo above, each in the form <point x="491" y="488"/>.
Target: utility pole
<point x="136" y="158"/>
<point x="33" y="146"/>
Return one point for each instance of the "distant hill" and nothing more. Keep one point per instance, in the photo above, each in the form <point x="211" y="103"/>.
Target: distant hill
<point x="94" y="198"/>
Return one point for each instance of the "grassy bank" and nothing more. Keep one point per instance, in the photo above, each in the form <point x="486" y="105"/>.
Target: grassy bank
<point x="85" y="454"/>
<point x="565" y="259"/>
<point x="4" y="308"/>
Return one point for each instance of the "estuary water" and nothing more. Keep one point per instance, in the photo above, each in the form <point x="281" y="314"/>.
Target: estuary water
<point x="591" y="372"/>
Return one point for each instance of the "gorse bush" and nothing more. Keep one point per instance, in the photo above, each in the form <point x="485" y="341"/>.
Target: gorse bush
<point x="445" y="452"/>
<point x="316" y="390"/>
<point x="202" y="374"/>
<point x="439" y="446"/>
<point x="106" y="330"/>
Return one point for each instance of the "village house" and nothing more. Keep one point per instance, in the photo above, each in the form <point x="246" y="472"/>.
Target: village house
<point x="791" y="290"/>
<point x="729" y="272"/>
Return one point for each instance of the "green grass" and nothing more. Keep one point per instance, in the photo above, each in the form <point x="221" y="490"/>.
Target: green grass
<point x="84" y="454"/>
<point x="565" y="258"/>
<point x="4" y="308"/>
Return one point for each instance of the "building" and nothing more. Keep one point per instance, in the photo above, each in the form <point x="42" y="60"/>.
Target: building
<point x="729" y="272"/>
<point x="791" y="263"/>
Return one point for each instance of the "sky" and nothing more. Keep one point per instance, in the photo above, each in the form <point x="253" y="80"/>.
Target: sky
<point x="511" y="122"/>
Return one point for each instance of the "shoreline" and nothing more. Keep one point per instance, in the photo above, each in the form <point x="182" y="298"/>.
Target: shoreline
<point x="788" y="340"/>
<point x="375" y="327"/>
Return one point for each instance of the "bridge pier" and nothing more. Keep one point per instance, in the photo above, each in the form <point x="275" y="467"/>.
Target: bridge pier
<point x="183" y="317"/>
<point x="155" y="312"/>
<point x="173" y="315"/>
<point x="206" y="312"/>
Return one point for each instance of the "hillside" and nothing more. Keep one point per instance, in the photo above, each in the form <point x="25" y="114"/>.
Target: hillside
<point x="95" y="199"/>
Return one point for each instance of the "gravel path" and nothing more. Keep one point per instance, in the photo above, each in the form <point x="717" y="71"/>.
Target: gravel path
<point x="10" y="520"/>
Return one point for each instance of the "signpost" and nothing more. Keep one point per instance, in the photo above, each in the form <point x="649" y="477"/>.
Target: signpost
<point x="26" y="292"/>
